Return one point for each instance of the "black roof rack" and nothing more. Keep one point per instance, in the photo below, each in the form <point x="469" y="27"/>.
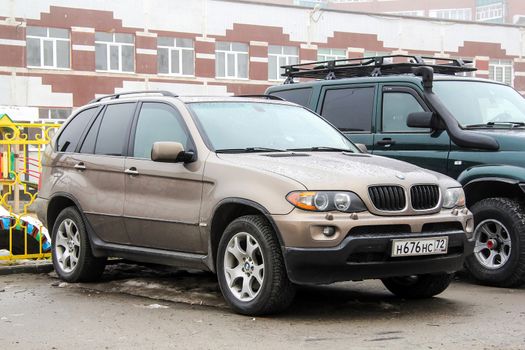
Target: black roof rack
<point x="115" y="96"/>
<point x="268" y="97"/>
<point x="373" y="66"/>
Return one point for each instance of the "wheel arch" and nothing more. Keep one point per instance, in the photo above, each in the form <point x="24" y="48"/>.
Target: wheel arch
<point x="224" y="213"/>
<point x="489" y="187"/>
<point x="57" y="203"/>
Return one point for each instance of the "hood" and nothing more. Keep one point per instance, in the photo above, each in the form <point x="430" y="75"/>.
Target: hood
<point x="338" y="171"/>
<point x="508" y="139"/>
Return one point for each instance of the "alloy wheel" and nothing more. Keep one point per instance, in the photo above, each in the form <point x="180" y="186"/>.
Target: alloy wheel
<point x="67" y="245"/>
<point x="493" y="244"/>
<point x="244" y="266"/>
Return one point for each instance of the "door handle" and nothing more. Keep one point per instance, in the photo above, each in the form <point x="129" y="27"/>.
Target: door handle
<point x="387" y="142"/>
<point x="131" y="171"/>
<point x="80" y="166"/>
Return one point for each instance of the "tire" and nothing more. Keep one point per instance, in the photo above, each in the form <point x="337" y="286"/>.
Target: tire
<point x="418" y="287"/>
<point x="87" y="268"/>
<point x="508" y="268"/>
<point x="275" y="292"/>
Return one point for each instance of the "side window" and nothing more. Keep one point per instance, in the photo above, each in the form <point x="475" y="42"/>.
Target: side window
<point x="396" y="108"/>
<point x="113" y="133"/>
<point x="349" y="109"/>
<point x="69" y="138"/>
<point x="88" y="146"/>
<point x="299" y="96"/>
<point x="157" y="122"/>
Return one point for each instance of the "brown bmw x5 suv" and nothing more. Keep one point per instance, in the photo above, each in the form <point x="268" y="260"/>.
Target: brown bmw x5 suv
<point x="263" y="192"/>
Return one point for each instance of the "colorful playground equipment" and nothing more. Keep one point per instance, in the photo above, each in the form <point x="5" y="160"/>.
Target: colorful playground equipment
<point x="22" y="236"/>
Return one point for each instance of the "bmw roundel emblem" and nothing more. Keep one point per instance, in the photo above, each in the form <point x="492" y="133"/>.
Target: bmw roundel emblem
<point x="400" y="176"/>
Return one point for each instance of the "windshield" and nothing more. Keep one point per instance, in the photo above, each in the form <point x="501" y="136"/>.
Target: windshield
<point x="266" y="127"/>
<point x="479" y="103"/>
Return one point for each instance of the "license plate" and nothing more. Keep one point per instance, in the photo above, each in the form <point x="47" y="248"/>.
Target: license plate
<point x="421" y="246"/>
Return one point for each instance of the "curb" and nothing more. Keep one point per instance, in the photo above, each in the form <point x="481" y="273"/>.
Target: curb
<point x="32" y="268"/>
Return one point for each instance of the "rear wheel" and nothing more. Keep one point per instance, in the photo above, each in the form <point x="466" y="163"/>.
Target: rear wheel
<point x="71" y="249"/>
<point x="499" y="251"/>
<point x="418" y="286"/>
<point x="250" y="268"/>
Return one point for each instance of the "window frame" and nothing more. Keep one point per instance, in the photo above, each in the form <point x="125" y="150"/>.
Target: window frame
<point x="54" y="40"/>
<point x="180" y="49"/>
<point x="331" y="56"/>
<point x="119" y="45"/>
<point x="133" y="129"/>
<point x="236" y="60"/>
<point x="278" y="56"/>
<point x="386" y="89"/>
<point x="497" y="63"/>
<point x="321" y="101"/>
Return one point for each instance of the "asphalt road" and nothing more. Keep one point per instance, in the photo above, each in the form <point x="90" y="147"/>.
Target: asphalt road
<point x="142" y="308"/>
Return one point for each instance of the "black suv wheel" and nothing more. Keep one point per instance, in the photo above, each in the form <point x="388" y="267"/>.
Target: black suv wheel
<point x="499" y="253"/>
<point x="71" y="250"/>
<point x="418" y="287"/>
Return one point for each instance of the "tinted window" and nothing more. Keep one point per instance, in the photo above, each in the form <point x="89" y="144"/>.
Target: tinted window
<point x="396" y="108"/>
<point x="299" y="96"/>
<point x="113" y="133"/>
<point x="157" y="122"/>
<point x="69" y="138"/>
<point x="349" y="109"/>
<point x="88" y="146"/>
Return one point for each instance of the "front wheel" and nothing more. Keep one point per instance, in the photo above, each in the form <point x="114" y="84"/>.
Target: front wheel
<point x="250" y="267"/>
<point x="499" y="251"/>
<point x="418" y="286"/>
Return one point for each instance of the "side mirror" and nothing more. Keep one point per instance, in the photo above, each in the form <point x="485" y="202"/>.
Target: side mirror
<point x="170" y="152"/>
<point x="426" y="120"/>
<point x="362" y="147"/>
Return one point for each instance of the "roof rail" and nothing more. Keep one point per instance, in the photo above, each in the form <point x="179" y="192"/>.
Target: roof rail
<point x="268" y="97"/>
<point x="116" y="96"/>
<point x="373" y="66"/>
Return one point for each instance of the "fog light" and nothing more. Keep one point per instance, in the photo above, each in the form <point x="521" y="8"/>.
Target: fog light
<point x="329" y="231"/>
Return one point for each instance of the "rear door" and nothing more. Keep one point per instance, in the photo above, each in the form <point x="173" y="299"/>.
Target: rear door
<point x="351" y="109"/>
<point x="100" y="161"/>
<point x="162" y="199"/>
<point x="423" y="147"/>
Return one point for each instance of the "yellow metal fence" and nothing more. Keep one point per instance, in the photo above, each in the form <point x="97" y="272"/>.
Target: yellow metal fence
<point x="21" y="148"/>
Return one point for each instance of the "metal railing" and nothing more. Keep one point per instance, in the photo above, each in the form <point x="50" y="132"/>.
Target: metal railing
<point x="22" y="145"/>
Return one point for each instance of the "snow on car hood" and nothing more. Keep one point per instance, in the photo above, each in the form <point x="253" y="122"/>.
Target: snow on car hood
<point x="337" y="170"/>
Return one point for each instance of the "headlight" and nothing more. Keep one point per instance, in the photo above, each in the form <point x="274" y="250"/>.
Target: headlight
<point x="454" y="197"/>
<point x="347" y="202"/>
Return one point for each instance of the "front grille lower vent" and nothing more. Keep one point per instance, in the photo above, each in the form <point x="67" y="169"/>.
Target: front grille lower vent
<point x="388" y="198"/>
<point x="424" y="196"/>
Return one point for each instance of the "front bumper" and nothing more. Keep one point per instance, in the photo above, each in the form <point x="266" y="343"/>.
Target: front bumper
<point x="368" y="257"/>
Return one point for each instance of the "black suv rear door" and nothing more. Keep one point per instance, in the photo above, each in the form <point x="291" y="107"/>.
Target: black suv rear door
<point x="350" y="107"/>
<point x="423" y="147"/>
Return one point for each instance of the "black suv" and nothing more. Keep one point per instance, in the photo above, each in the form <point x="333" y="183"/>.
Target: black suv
<point x="430" y="112"/>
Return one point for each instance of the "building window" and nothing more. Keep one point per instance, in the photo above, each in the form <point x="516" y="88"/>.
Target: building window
<point x="114" y="52"/>
<point x="413" y="13"/>
<point x="280" y="56"/>
<point x="464" y="14"/>
<point x="330" y="54"/>
<point x="501" y="70"/>
<point x="54" y="113"/>
<point x="48" y="47"/>
<point x="491" y="12"/>
<point x="231" y="60"/>
<point x="175" y="56"/>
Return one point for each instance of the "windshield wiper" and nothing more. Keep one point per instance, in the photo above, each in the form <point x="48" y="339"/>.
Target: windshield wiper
<point x="321" y="149"/>
<point x="493" y="124"/>
<point x="249" y="150"/>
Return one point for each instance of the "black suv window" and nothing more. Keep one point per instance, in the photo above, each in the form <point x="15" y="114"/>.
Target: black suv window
<point x="157" y="122"/>
<point x="396" y="108"/>
<point x="299" y="96"/>
<point x="349" y="109"/>
<point x="69" y="138"/>
<point x="114" y="129"/>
